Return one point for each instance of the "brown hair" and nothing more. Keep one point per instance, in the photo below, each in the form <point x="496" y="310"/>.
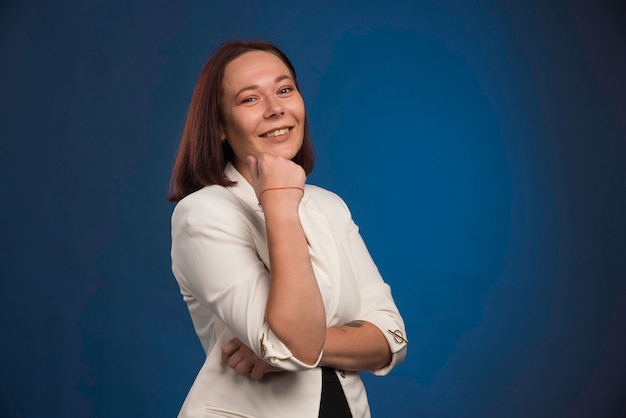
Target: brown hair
<point x="202" y="156"/>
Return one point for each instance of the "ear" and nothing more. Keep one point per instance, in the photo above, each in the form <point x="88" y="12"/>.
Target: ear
<point x="222" y="134"/>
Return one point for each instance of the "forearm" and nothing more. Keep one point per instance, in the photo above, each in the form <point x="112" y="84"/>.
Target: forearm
<point x="295" y="311"/>
<point x="358" y="345"/>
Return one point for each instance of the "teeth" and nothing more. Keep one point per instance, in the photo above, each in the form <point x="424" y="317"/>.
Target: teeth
<point x="276" y="132"/>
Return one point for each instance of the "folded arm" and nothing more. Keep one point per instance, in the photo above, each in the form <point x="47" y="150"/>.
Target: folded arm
<point x="357" y="345"/>
<point x="295" y="311"/>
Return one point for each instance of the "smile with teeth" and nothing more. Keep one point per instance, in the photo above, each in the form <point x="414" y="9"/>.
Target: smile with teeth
<point x="277" y="132"/>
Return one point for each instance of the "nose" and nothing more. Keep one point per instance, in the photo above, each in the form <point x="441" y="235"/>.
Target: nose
<point x="273" y="108"/>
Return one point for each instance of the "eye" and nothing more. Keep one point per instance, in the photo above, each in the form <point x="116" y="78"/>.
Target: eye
<point x="248" y="100"/>
<point x="285" y="90"/>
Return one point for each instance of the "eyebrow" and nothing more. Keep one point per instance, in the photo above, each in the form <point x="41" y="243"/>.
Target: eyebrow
<point x="255" y="86"/>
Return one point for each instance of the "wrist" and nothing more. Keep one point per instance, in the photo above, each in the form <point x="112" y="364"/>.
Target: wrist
<point x="287" y="197"/>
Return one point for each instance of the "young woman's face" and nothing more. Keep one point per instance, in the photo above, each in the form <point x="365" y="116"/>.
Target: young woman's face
<point x="263" y="110"/>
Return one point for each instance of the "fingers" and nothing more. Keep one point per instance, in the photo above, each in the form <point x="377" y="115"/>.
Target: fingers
<point x="242" y="367"/>
<point x="229" y="348"/>
<point x="238" y="356"/>
<point x="244" y="364"/>
<point x="281" y="175"/>
<point x="239" y="360"/>
<point x="275" y="171"/>
<point x="258" y="371"/>
<point x="243" y="360"/>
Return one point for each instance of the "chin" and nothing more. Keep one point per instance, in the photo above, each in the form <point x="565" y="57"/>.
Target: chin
<point x="289" y="152"/>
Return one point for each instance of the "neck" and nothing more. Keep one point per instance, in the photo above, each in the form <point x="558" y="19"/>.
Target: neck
<point x="244" y="169"/>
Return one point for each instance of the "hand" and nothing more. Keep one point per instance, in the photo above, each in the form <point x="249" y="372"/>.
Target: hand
<point x="244" y="361"/>
<point x="270" y="172"/>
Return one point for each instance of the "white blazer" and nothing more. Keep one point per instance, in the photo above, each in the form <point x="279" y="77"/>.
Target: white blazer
<point x="221" y="263"/>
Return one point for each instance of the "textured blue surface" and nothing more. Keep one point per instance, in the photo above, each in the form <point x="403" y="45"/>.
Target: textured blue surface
<point x="481" y="146"/>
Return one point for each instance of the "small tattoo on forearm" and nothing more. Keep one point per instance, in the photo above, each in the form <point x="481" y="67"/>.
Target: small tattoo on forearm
<point x="354" y="324"/>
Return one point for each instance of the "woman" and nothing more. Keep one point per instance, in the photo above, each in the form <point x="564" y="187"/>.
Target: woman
<point x="282" y="292"/>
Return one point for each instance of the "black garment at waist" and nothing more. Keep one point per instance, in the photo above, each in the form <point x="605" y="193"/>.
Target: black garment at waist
<point x="333" y="403"/>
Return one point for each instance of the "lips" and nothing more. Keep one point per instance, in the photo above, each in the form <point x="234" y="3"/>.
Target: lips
<point x="276" y="132"/>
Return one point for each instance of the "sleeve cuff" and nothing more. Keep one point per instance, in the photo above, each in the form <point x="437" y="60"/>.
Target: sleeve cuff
<point x="394" y="333"/>
<point x="276" y="353"/>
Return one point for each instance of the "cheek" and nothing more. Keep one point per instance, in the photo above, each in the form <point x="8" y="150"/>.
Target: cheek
<point x="302" y="110"/>
<point x="298" y="110"/>
<point x="239" y="125"/>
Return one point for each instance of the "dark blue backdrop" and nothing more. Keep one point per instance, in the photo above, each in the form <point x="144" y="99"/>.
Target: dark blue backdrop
<point x="480" y="145"/>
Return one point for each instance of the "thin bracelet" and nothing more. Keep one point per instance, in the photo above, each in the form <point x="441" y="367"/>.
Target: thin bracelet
<point x="279" y="188"/>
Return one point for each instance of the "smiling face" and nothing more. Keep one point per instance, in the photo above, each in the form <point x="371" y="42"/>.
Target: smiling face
<point x="262" y="108"/>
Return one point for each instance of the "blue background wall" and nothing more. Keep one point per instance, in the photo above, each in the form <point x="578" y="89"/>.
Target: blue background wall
<point x="480" y="144"/>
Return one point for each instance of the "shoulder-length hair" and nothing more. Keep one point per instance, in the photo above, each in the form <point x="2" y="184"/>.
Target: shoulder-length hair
<point x="202" y="156"/>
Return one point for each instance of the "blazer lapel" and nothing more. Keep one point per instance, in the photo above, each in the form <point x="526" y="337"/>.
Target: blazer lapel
<point x="244" y="191"/>
<point x="322" y="248"/>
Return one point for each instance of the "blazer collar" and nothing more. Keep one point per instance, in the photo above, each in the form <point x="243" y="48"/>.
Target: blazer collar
<point x="243" y="190"/>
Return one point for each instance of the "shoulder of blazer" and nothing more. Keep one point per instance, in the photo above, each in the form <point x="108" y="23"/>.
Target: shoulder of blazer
<point x="327" y="202"/>
<point x="214" y="201"/>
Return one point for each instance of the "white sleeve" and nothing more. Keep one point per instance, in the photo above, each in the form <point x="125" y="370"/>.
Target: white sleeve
<point x="377" y="304"/>
<point x="213" y="254"/>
